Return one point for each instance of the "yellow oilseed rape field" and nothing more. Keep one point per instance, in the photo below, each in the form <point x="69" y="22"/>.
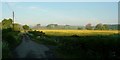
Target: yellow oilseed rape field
<point x="79" y="32"/>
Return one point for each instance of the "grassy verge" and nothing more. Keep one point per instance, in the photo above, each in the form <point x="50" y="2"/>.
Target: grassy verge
<point x="10" y="40"/>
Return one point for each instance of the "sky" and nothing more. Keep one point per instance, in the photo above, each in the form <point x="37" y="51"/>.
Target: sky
<point x="70" y="13"/>
<point x="59" y="0"/>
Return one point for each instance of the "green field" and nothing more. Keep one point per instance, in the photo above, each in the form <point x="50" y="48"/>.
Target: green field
<point x="93" y="44"/>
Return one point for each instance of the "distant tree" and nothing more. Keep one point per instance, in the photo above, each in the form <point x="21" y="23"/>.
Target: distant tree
<point x="26" y="27"/>
<point x="52" y="25"/>
<point x="38" y="26"/>
<point x="80" y="28"/>
<point x="17" y="27"/>
<point x="101" y="27"/>
<point x="88" y="27"/>
<point x="98" y="27"/>
<point x="7" y="23"/>
<point x="48" y="26"/>
<point x="67" y="25"/>
<point x="105" y="27"/>
<point x="114" y="26"/>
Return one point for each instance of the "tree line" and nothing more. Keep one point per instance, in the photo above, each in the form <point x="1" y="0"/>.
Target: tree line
<point x="88" y="26"/>
<point x="99" y="26"/>
<point x="8" y="23"/>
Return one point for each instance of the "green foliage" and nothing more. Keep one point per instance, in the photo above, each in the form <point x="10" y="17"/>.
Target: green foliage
<point x="9" y="43"/>
<point x="101" y="27"/>
<point x="6" y="50"/>
<point x="52" y="25"/>
<point x="106" y="27"/>
<point x="6" y="23"/>
<point x="88" y="27"/>
<point x="26" y="27"/>
<point x="10" y="40"/>
<point x="40" y="37"/>
<point x="8" y="35"/>
<point x="98" y="27"/>
<point x="80" y="28"/>
<point x="17" y="27"/>
<point x="37" y="33"/>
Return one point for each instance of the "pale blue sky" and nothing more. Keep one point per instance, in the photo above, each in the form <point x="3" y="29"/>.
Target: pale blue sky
<point x="71" y="13"/>
<point x="59" y="0"/>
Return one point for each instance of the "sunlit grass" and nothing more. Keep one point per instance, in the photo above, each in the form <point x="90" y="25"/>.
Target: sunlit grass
<point x="79" y="32"/>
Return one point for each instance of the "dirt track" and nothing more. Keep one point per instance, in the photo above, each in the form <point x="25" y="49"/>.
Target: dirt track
<point x="30" y="49"/>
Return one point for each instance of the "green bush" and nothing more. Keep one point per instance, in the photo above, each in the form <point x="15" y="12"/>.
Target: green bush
<point x="10" y="40"/>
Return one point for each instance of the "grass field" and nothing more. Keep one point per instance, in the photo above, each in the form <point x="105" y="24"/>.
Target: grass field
<point x="97" y="44"/>
<point x="79" y="32"/>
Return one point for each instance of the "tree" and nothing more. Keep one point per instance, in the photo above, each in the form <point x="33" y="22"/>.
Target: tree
<point x="7" y="23"/>
<point x="52" y="25"/>
<point x="105" y="27"/>
<point x="26" y="27"/>
<point x="98" y="26"/>
<point x="38" y="26"/>
<point x="88" y="27"/>
<point x="17" y="27"/>
<point x="80" y="28"/>
<point x="101" y="27"/>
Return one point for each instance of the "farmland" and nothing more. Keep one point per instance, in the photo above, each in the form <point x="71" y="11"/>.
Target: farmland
<point x="93" y="44"/>
<point x="79" y="32"/>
